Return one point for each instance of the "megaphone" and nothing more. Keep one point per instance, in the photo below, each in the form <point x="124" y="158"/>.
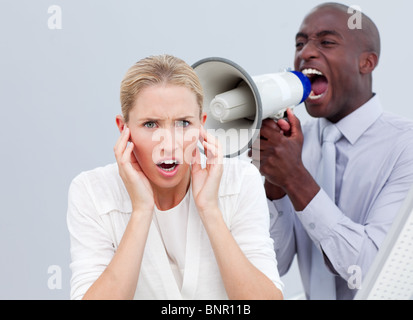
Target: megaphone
<point x="236" y="103"/>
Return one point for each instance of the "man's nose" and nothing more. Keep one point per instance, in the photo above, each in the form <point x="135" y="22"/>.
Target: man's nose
<point x="309" y="51"/>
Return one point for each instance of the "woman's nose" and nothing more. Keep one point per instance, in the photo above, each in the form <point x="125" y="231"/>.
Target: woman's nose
<point x="170" y="142"/>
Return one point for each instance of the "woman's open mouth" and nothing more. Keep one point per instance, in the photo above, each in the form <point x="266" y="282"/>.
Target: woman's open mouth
<point x="319" y="83"/>
<point x="167" y="165"/>
<point x="168" y="168"/>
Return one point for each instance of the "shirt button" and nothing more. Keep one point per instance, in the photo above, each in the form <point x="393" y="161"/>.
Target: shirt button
<point x="312" y="226"/>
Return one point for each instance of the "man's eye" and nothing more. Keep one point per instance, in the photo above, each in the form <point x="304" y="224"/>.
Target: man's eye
<point x="299" y="45"/>
<point x="150" y="124"/>
<point x="327" y="43"/>
<point x="182" y="123"/>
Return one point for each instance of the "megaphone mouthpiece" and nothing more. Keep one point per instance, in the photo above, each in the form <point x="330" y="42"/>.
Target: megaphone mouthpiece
<point x="306" y="83"/>
<point x="235" y="104"/>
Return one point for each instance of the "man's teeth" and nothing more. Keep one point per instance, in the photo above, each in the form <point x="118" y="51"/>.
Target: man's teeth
<point x="313" y="97"/>
<point x="311" y="72"/>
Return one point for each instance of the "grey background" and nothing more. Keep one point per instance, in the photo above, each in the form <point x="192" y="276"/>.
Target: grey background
<point x="59" y="95"/>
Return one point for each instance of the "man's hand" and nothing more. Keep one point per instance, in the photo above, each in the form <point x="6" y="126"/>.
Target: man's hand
<point x="278" y="156"/>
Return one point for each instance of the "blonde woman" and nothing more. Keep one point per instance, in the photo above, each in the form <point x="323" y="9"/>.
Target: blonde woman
<point x="161" y="223"/>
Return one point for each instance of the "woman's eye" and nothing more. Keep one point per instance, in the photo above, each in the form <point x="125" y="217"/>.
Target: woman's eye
<point x="182" y="123"/>
<point x="150" y="124"/>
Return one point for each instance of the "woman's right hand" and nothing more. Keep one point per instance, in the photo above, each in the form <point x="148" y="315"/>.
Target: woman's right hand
<point x="136" y="183"/>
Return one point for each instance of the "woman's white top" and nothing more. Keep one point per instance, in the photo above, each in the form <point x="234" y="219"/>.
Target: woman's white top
<point x="172" y="225"/>
<point x="178" y="261"/>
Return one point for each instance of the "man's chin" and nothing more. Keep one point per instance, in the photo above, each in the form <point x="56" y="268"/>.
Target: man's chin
<point x="317" y="106"/>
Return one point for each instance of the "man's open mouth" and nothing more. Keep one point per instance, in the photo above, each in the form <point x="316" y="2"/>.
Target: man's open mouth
<point x="168" y="165"/>
<point x="319" y="83"/>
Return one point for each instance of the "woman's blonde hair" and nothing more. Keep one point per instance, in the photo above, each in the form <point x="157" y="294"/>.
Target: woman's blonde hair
<point x="156" y="70"/>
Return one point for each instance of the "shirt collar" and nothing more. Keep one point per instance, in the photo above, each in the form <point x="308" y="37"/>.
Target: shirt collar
<point x="357" y="122"/>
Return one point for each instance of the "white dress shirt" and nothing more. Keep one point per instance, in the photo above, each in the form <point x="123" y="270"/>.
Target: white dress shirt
<point x="374" y="171"/>
<point x="99" y="209"/>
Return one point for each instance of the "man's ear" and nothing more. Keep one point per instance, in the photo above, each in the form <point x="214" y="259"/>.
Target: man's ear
<point x="368" y="62"/>
<point x="120" y="122"/>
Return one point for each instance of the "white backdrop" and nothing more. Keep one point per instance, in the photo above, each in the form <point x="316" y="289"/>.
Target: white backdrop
<point x="59" y="95"/>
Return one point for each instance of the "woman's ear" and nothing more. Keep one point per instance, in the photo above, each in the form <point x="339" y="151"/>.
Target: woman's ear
<point x="120" y="122"/>
<point x="203" y="118"/>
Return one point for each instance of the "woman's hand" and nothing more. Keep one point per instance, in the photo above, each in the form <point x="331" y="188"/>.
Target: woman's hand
<point x="205" y="182"/>
<point x="119" y="279"/>
<point x="136" y="182"/>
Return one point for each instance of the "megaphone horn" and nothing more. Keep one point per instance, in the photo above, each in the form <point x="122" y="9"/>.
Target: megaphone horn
<point x="236" y="103"/>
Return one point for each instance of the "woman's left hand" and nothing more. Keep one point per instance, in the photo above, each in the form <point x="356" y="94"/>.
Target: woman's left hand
<point x="205" y="182"/>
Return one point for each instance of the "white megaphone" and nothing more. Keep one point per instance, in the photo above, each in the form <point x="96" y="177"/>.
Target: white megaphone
<point x="236" y="103"/>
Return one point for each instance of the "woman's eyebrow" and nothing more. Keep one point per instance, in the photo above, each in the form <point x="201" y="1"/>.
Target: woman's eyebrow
<point x="157" y="119"/>
<point x="184" y="117"/>
<point x="149" y="119"/>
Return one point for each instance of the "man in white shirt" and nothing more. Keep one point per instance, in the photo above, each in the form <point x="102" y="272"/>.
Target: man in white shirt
<point x="374" y="157"/>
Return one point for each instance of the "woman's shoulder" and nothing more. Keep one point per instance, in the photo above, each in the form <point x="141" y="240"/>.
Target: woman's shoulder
<point x="108" y="172"/>
<point x="103" y="186"/>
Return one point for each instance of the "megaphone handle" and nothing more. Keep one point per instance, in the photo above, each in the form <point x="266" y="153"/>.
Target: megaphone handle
<point x="281" y="115"/>
<point x="285" y="116"/>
